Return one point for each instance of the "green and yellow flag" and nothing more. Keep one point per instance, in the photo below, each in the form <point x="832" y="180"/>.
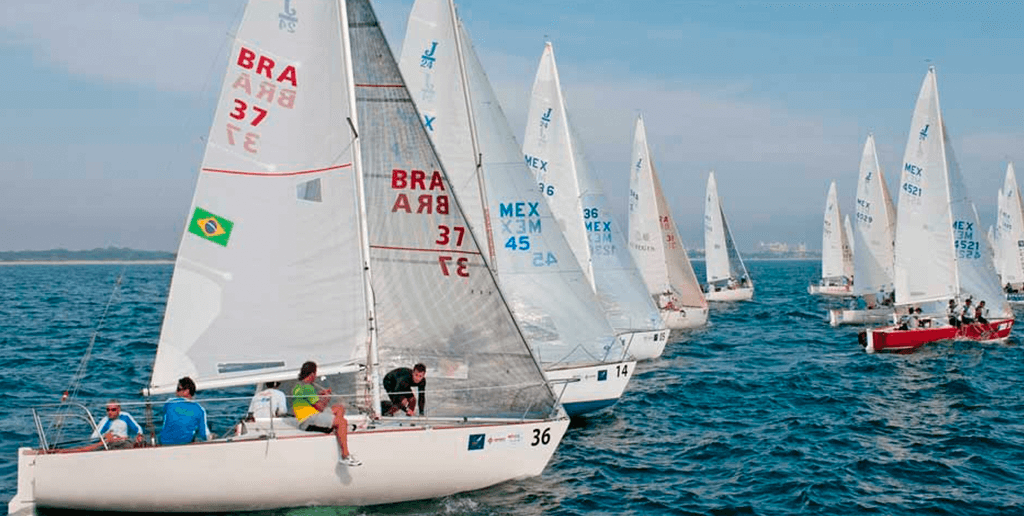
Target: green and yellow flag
<point x="211" y="227"/>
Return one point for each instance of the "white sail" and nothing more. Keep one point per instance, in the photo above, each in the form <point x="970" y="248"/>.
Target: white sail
<point x="549" y="294"/>
<point x="265" y="278"/>
<point x="723" y="259"/>
<point x="941" y="252"/>
<point x="836" y="257"/>
<point x="1009" y="248"/>
<point x="874" y="227"/>
<point x="653" y="238"/>
<point x="555" y="154"/>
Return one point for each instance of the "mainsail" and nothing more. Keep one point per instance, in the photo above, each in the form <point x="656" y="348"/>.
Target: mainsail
<point x="874" y="227"/>
<point x="555" y="154"/>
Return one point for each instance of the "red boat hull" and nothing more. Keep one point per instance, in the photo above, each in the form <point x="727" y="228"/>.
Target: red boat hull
<point x="891" y="338"/>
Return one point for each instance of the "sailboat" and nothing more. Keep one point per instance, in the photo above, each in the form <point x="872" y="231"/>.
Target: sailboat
<point x="561" y="172"/>
<point x="836" y="256"/>
<point x="941" y="252"/>
<point x="1009" y="238"/>
<point x="323" y="228"/>
<point x="656" y="246"/>
<point x="535" y="267"/>
<point x="873" y="233"/>
<point x="728" y="279"/>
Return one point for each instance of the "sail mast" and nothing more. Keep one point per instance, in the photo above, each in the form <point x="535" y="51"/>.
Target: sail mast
<point x="373" y="360"/>
<point x="477" y="155"/>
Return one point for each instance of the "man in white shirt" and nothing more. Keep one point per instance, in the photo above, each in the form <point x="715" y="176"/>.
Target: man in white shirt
<point x="270" y="402"/>
<point x="114" y="427"/>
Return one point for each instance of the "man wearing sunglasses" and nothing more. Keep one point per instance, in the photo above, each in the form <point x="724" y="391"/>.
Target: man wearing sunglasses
<point x="184" y="419"/>
<point x="115" y="427"/>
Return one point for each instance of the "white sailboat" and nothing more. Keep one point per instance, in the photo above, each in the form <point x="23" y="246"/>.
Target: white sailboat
<point x="728" y="279"/>
<point x="536" y="270"/>
<point x="836" y="256"/>
<point x="1009" y="238"/>
<point x="873" y="233"/>
<point x="315" y="236"/>
<point x="941" y="252"/>
<point x="554" y="153"/>
<point x="656" y="246"/>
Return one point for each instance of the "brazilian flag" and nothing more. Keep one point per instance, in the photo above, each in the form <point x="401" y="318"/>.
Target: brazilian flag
<point x="211" y="227"/>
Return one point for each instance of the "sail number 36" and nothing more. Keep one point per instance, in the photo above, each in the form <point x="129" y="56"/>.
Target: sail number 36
<point x="541" y="436"/>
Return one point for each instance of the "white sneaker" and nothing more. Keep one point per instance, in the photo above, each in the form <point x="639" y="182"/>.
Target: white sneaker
<point x="350" y="461"/>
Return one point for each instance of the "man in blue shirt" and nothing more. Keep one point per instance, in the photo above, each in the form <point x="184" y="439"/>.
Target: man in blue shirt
<point x="115" y="427"/>
<point x="184" y="419"/>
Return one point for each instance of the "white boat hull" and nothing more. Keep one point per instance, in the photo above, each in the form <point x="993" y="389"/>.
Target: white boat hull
<point x="838" y="316"/>
<point x="733" y="294"/>
<point x="590" y="388"/>
<point x="830" y="290"/>
<point x="645" y="345"/>
<point x="688" y="317"/>
<point x="303" y="466"/>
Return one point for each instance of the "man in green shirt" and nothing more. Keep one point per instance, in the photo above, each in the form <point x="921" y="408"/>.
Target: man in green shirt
<point x="309" y="406"/>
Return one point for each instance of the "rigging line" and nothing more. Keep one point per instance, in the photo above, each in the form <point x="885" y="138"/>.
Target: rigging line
<point x="71" y="393"/>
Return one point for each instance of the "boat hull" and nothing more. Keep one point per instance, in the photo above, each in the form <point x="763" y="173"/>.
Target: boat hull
<point x="733" y="294"/>
<point x="590" y="388"/>
<point x="1015" y="298"/>
<point x="646" y="344"/>
<point x="685" y="318"/>
<point x="838" y="316"/>
<point x="290" y="470"/>
<point x="891" y="338"/>
<point x="830" y="290"/>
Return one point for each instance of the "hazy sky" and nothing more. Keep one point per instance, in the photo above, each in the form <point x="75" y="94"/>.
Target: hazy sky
<point x="104" y="104"/>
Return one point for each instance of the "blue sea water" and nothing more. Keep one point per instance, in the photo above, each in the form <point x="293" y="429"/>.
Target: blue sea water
<point x="768" y="410"/>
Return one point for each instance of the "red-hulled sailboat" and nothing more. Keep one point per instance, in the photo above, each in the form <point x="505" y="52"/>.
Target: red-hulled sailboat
<point x="941" y="251"/>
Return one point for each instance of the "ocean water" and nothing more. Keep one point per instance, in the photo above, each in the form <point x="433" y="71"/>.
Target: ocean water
<point x="768" y="410"/>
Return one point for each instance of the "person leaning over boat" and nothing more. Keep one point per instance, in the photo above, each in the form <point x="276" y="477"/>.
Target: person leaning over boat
<point x="268" y="403"/>
<point x="184" y="419"/>
<point x="115" y="426"/>
<point x="309" y="406"/>
<point x="399" y="383"/>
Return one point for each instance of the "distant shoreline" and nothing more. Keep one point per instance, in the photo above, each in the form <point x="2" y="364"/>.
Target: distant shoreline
<point x="87" y="262"/>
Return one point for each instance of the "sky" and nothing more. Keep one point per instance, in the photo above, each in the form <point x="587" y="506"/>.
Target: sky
<point x="104" y="105"/>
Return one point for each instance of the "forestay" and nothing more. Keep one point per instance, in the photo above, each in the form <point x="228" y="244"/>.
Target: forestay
<point x="941" y="252"/>
<point x="653" y="236"/>
<point x="873" y="227"/>
<point x="555" y="154"/>
<point x="538" y="273"/>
